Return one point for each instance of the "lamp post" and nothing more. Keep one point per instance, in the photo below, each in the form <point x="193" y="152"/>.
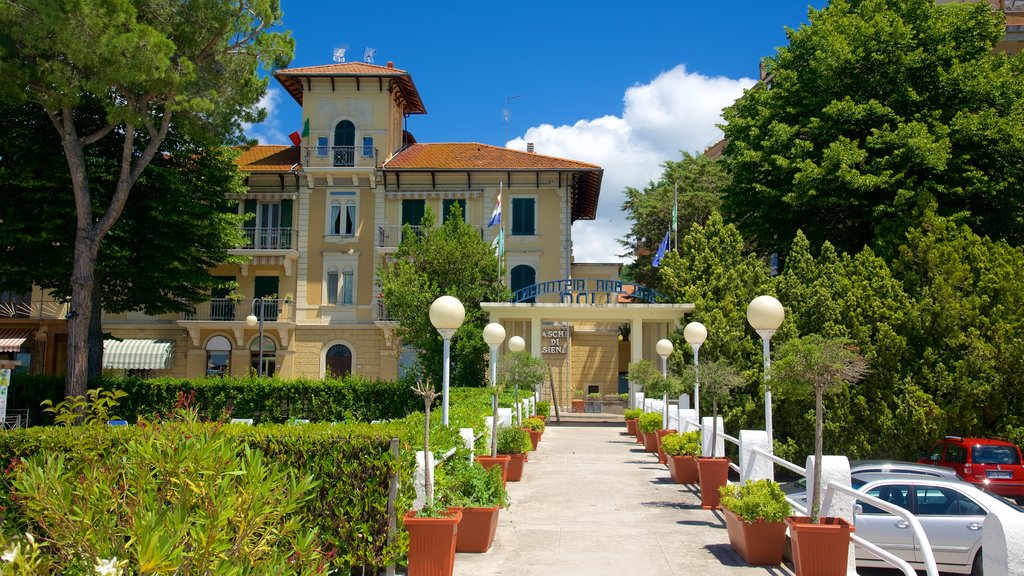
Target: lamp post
<point x="446" y="314"/>
<point x="516" y="344"/>
<point x="765" y="314"/>
<point x="494" y="335"/>
<point x="252" y="320"/>
<point x="664" y="349"/>
<point x="695" y="334"/>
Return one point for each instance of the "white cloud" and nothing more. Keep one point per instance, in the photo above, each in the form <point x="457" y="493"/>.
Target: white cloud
<point x="269" y="131"/>
<point x="676" y="111"/>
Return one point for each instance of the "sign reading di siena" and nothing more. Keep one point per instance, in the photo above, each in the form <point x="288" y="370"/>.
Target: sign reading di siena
<point x="555" y="342"/>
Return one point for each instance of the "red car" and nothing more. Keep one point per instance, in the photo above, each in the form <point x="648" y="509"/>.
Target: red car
<point x="985" y="462"/>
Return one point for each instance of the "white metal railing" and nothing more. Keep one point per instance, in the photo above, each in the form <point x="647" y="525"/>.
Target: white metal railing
<point x="225" y="310"/>
<point x="339" y="156"/>
<point x="269" y="238"/>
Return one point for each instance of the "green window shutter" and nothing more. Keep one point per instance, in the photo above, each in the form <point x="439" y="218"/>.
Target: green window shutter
<point x="522" y="217"/>
<point x="412" y="211"/>
<point x="448" y="208"/>
<point x="250" y="213"/>
<point x="286" y="224"/>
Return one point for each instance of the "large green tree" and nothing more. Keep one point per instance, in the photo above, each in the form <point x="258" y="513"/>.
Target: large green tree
<point x="146" y="62"/>
<point x="454" y="260"/>
<point x="695" y="183"/>
<point x="874" y="113"/>
<point x="177" y="224"/>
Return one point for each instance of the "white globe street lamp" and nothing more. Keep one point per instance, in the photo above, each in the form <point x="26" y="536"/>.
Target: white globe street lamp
<point x="253" y="320"/>
<point x="446" y="314"/>
<point x="516" y="344"/>
<point x="695" y="334"/>
<point x="494" y="335"/>
<point x="765" y="314"/>
<point x="664" y="349"/>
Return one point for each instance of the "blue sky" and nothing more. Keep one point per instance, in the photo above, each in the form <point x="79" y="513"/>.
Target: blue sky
<point x="624" y="85"/>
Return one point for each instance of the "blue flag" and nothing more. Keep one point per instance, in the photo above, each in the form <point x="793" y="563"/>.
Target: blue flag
<point x="661" y="251"/>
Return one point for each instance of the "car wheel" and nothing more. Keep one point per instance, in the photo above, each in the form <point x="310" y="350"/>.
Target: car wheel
<point x="976" y="566"/>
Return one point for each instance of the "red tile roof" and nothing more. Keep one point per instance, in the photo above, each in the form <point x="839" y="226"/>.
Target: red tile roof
<point x="269" y="158"/>
<point x="460" y="156"/>
<point x="291" y="79"/>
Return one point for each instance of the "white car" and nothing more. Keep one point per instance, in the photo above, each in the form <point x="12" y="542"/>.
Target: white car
<point x="950" y="511"/>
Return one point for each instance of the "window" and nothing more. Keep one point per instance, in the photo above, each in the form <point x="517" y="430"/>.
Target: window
<point x="321" y="147"/>
<point x="524" y="217"/>
<point x="218" y="356"/>
<point x="342" y="213"/>
<point x="898" y="494"/>
<point x="412" y="212"/>
<point x="368" y="147"/>
<point x="448" y="208"/>
<point x="332" y="286"/>
<point x="269" y="224"/>
<point x="269" y="355"/>
<point x="956" y="454"/>
<point x="344" y="143"/>
<point x="522" y="276"/>
<point x="339" y="360"/>
<point x="347" y="286"/>
<point x="936" y="501"/>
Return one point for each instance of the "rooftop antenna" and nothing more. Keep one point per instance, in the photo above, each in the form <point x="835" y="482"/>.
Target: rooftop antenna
<point x="368" y="54"/>
<point x="507" y="113"/>
<point x="339" y="53"/>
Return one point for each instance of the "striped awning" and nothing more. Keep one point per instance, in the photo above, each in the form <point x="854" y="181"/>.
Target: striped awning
<point x="12" y="339"/>
<point x="138" y="354"/>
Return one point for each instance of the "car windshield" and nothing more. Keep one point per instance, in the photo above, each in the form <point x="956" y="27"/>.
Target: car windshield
<point x="995" y="455"/>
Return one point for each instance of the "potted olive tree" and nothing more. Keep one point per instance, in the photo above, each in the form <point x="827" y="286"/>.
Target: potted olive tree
<point x="755" y="518"/>
<point x="432" y="529"/>
<point x="717" y="379"/>
<point x="821" y="365"/>
<point x="521" y="371"/>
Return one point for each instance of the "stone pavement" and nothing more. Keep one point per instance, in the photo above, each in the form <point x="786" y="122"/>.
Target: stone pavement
<point x="593" y="503"/>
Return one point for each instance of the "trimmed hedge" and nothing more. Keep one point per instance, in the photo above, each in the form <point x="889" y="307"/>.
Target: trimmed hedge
<point x="352" y="463"/>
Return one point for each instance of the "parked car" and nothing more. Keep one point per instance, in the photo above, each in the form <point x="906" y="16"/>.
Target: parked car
<point x="950" y="511"/>
<point x="797" y="487"/>
<point x="985" y="462"/>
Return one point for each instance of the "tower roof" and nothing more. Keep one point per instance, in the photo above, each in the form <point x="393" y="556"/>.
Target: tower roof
<point x="291" y="79"/>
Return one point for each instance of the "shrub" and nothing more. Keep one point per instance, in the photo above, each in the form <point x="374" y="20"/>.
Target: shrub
<point x="632" y="413"/>
<point x="467" y="485"/>
<point x="534" y="424"/>
<point x="513" y="441"/>
<point x="649" y="422"/>
<point x="543" y="409"/>
<point x="687" y="444"/>
<point x="594" y="396"/>
<point x="756" y="500"/>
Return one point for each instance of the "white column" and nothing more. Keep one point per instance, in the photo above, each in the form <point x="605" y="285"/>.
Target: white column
<point x="755" y="466"/>
<point x="1001" y="540"/>
<point x="705" y="437"/>
<point x="833" y="469"/>
<point x="468" y="440"/>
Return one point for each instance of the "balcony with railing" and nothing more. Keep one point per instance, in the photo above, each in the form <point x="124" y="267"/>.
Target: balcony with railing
<point x="226" y="310"/>
<point x="390" y="235"/>
<point x="270" y="238"/>
<point x="339" y="157"/>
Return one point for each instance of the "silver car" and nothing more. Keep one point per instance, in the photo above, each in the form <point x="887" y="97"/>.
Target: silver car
<point x="950" y="511"/>
<point x="798" y="488"/>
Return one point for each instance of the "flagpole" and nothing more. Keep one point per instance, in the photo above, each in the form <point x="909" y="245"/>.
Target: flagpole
<point x="675" y="222"/>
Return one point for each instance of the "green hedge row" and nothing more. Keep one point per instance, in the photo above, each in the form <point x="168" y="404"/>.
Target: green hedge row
<point x="262" y="399"/>
<point x="352" y="462"/>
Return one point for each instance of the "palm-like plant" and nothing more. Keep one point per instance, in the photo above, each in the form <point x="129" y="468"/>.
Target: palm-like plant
<point x="823" y="364"/>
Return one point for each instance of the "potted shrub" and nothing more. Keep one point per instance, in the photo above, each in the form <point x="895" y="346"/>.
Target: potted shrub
<point x="514" y="443"/>
<point x="480" y="495"/>
<point x="535" y="428"/>
<point x="717" y="379"/>
<point x="682" y="451"/>
<point x="820" y="545"/>
<point x="577" y="401"/>
<point x="543" y="410"/>
<point x="755" y="517"/>
<point x="631" y="415"/>
<point x="648" y="425"/>
<point x="432" y="529"/>
<point x="593" y="403"/>
<point x="666" y="387"/>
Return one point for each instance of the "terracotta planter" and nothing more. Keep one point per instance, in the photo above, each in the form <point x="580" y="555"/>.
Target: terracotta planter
<point x="651" y="442"/>
<point x="477" y="529"/>
<point x="760" y="543"/>
<point x="577" y="406"/>
<point x="515" y="466"/>
<point x="534" y="437"/>
<point x="499" y="460"/>
<point x="683" y="469"/>
<point x="662" y="457"/>
<point x="714" y="473"/>
<point x="819" y="549"/>
<point x="639" y="435"/>
<point x="432" y="543"/>
<point x="631" y="427"/>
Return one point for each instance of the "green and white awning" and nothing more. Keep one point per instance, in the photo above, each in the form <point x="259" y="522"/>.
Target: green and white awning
<point x="138" y="354"/>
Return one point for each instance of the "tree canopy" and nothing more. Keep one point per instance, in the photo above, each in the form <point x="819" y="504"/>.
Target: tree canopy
<point x="454" y="260"/>
<point x="876" y="113"/>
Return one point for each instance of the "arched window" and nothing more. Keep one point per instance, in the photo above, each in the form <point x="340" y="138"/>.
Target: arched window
<point x="521" y="277"/>
<point x="344" y="143"/>
<point x="218" y="356"/>
<point x="339" y="361"/>
<point x="269" y="355"/>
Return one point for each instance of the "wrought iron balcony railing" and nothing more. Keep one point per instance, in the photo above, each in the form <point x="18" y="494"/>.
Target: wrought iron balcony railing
<point x="225" y="310"/>
<point x="270" y="238"/>
<point x="339" y="156"/>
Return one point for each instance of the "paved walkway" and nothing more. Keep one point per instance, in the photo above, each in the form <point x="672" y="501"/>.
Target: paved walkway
<point x="594" y="503"/>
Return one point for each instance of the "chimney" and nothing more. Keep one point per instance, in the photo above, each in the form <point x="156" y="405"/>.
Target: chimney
<point x="391" y="64"/>
<point x="529" y="147"/>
